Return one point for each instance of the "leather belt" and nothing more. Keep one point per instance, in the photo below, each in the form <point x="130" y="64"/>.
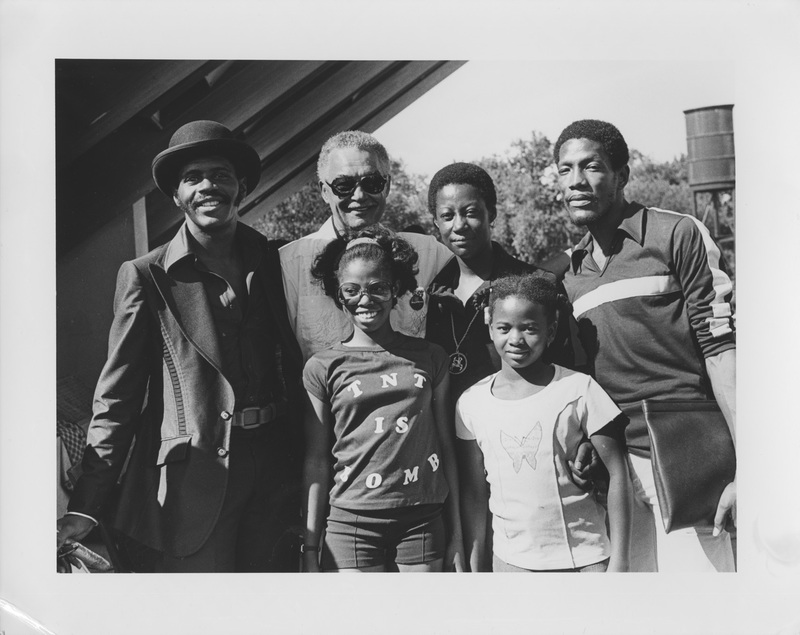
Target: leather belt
<point x="256" y="416"/>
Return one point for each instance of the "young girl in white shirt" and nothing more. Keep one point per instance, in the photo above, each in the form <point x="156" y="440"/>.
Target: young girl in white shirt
<point x="516" y="429"/>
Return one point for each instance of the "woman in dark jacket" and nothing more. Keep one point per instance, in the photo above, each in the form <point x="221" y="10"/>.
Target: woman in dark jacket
<point x="463" y="201"/>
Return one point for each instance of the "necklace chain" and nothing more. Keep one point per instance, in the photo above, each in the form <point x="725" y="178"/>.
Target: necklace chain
<point x="456" y="341"/>
<point x="459" y="361"/>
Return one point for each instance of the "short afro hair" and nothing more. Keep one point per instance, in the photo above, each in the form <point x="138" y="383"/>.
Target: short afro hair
<point x="464" y="174"/>
<point x="602" y="132"/>
<point x="352" y="139"/>
<point x="384" y="247"/>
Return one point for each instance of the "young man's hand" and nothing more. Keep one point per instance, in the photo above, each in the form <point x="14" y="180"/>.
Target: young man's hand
<point x="587" y="467"/>
<point x="726" y="505"/>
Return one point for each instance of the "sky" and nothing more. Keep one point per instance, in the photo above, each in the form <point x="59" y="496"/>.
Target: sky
<point x="481" y="108"/>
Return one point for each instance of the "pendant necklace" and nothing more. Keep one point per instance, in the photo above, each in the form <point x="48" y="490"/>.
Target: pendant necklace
<point x="458" y="361"/>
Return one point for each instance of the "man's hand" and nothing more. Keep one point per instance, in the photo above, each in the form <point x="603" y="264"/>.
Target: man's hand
<point x="72" y="527"/>
<point x="727" y="503"/>
<point x="587" y="466"/>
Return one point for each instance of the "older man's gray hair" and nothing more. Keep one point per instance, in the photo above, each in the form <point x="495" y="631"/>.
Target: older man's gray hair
<point x="352" y="139"/>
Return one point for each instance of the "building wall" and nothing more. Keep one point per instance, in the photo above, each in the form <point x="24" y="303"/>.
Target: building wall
<point x="85" y="283"/>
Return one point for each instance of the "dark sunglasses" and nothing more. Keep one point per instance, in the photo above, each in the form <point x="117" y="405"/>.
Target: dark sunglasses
<point x="350" y="293"/>
<point x="344" y="186"/>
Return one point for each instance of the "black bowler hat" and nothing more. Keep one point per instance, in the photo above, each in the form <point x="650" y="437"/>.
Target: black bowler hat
<point x="204" y="138"/>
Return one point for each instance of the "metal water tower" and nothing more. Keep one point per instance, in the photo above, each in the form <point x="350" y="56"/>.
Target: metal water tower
<point x="712" y="170"/>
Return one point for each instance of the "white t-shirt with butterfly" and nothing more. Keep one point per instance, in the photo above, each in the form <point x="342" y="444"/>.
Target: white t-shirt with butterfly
<point x="541" y="519"/>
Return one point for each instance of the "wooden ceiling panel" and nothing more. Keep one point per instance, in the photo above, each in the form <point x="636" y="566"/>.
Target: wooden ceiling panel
<point x="328" y="97"/>
<point x="362" y="109"/>
<point x="141" y="92"/>
<point x="114" y="116"/>
<point x="116" y="172"/>
<point x="252" y="210"/>
<point x="293" y="126"/>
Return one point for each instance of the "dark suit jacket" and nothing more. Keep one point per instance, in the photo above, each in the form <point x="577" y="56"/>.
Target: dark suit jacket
<point x="163" y="387"/>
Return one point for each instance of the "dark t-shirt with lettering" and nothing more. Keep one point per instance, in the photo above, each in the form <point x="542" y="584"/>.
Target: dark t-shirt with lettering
<point x="386" y="449"/>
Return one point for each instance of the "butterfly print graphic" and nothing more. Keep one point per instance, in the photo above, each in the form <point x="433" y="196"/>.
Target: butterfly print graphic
<point x="522" y="449"/>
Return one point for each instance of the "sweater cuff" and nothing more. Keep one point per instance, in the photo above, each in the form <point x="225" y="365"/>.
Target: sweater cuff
<point x="84" y="515"/>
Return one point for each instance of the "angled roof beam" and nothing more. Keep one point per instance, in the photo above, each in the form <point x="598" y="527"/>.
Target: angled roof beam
<point x="288" y="125"/>
<point x="367" y="112"/>
<point x="116" y="184"/>
<point x="288" y="170"/>
<point x="144" y="93"/>
<point x="308" y="173"/>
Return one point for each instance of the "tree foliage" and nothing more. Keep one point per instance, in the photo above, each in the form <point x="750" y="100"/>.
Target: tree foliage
<point x="664" y="185"/>
<point x="531" y="222"/>
<point x="298" y="215"/>
<point x="304" y="211"/>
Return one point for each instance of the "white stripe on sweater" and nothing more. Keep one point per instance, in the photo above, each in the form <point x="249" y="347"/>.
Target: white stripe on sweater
<point x="623" y="289"/>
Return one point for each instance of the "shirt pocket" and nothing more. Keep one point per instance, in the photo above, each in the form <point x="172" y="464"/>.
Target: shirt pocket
<point x="173" y="449"/>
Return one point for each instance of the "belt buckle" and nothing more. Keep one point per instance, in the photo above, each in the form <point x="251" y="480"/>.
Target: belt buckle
<point x="250" y="417"/>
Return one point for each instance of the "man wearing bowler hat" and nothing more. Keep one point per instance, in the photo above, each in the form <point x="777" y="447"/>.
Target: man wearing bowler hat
<point x="202" y="378"/>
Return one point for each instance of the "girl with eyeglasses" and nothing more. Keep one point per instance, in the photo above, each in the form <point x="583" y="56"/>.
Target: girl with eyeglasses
<point x="380" y="469"/>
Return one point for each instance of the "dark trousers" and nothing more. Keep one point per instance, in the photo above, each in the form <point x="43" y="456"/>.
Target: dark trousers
<point x="257" y="526"/>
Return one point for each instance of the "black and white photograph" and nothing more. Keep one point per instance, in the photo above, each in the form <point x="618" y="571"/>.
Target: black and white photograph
<point x="447" y="288"/>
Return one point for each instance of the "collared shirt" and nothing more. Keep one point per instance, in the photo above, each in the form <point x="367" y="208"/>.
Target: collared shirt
<point x="452" y="324"/>
<point x="245" y="329"/>
<point x="655" y="311"/>
<point x="317" y="322"/>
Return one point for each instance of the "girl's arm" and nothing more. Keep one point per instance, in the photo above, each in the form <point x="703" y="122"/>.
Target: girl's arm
<point x="613" y="452"/>
<point x="474" y="503"/>
<point x="454" y="556"/>
<point x="316" y="476"/>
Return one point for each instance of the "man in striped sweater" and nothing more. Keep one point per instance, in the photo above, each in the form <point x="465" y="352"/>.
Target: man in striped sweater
<point x="653" y="304"/>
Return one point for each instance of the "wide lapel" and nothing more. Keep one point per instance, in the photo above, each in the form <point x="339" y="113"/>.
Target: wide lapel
<point x="185" y="297"/>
